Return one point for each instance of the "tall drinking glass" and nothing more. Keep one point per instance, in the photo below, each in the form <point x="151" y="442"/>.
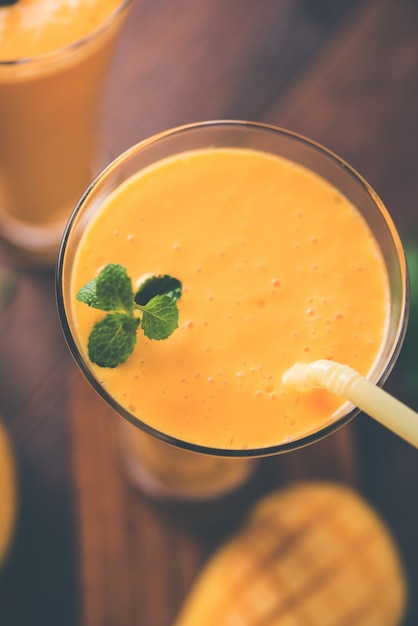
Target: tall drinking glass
<point x="50" y="99"/>
<point x="247" y="217"/>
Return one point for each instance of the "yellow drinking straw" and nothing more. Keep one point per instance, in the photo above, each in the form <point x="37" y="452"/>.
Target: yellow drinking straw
<point x="349" y="384"/>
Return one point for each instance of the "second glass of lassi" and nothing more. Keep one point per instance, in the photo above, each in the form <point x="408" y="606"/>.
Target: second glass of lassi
<point x="54" y="57"/>
<point x="284" y="254"/>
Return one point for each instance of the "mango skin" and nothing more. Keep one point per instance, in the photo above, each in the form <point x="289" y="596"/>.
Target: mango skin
<point x="312" y="554"/>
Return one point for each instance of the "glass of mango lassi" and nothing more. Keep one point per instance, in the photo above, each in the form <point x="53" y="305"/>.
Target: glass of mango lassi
<point x="284" y="254"/>
<point x="54" y="56"/>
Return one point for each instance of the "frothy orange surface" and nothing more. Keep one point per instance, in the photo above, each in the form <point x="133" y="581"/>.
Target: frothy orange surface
<point x="276" y="266"/>
<point x="31" y="28"/>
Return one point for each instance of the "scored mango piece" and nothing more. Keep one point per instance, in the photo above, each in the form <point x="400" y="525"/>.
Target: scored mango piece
<point x="314" y="554"/>
<point x="8" y="496"/>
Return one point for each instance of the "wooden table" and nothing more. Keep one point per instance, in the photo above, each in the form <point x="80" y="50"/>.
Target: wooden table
<point x="88" y="549"/>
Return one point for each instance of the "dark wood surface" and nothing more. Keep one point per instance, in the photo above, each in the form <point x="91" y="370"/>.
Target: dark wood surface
<point x="88" y="549"/>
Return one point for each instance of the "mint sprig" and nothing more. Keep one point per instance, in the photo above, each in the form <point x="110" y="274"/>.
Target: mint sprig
<point x="153" y="307"/>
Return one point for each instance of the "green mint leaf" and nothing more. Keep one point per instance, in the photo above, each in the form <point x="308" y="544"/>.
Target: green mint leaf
<point x="158" y="286"/>
<point x="160" y="317"/>
<point x="87" y="294"/>
<point x="113" y="339"/>
<point x="114" y="288"/>
<point x="111" y="290"/>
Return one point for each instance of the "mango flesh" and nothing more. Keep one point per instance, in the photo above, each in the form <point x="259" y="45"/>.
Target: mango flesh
<point x="7" y="493"/>
<point x="311" y="555"/>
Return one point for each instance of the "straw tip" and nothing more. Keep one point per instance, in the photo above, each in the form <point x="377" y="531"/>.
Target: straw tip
<point x="296" y="377"/>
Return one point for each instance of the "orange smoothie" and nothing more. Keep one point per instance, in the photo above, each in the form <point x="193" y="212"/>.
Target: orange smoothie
<point x="54" y="55"/>
<point x="277" y="267"/>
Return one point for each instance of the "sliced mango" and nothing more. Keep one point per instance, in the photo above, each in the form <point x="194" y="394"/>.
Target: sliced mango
<point x="7" y="493"/>
<point x="314" y="554"/>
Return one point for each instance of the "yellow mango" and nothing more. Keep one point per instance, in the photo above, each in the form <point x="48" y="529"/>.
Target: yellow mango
<point x="8" y="498"/>
<point x="314" y="554"/>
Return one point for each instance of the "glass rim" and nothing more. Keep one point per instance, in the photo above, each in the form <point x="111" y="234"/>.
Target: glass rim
<point x="378" y="377"/>
<point x="70" y="47"/>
